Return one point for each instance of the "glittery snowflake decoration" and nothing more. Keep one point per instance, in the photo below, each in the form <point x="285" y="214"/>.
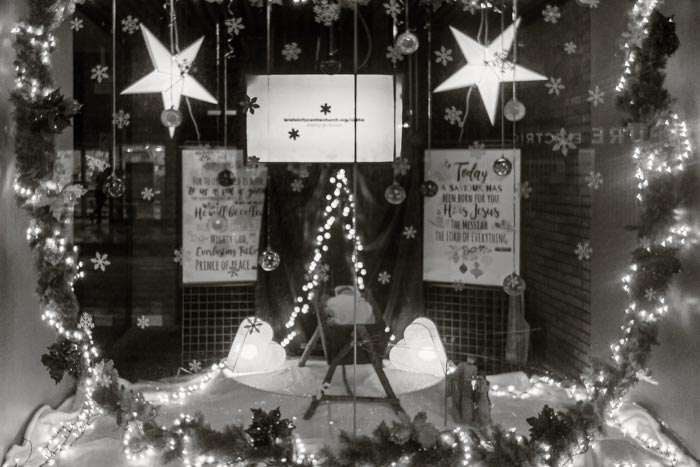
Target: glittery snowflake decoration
<point x="595" y="96"/>
<point x="96" y="164"/>
<point x="234" y="25"/>
<point x="326" y="12"/>
<point x="177" y="255"/>
<point x="563" y="142"/>
<point x="143" y="322"/>
<point x="570" y="48"/>
<point x="393" y="8"/>
<point x="291" y="51"/>
<point x="121" y="119"/>
<point x="393" y="54"/>
<point x="443" y="56"/>
<point x="594" y="180"/>
<point x="324" y="272"/>
<point x="147" y="194"/>
<point x="551" y="14"/>
<point x="401" y="166"/>
<point x="86" y="323"/>
<point x="100" y="261"/>
<point x="76" y="24"/>
<point x="297" y="185"/>
<point x="525" y="190"/>
<point x="583" y="250"/>
<point x="472" y="6"/>
<point x="554" y="86"/>
<point x="453" y="115"/>
<point x="195" y="366"/>
<point x="649" y="294"/>
<point x="384" y="277"/>
<point x="409" y="232"/>
<point x="130" y="25"/>
<point x="99" y="73"/>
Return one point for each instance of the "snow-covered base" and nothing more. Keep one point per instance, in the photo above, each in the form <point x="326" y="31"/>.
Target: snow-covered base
<point x="227" y="400"/>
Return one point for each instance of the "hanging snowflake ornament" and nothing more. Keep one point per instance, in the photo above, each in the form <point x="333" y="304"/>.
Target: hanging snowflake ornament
<point x="409" y="232"/>
<point x="326" y="12"/>
<point x="649" y="294"/>
<point x="249" y="105"/>
<point x="297" y="185"/>
<point x="594" y="180"/>
<point x="234" y="25"/>
<point x="177" y="255"/>
<point x="551" y="14"/>
<point x="99" y="73"/>
<point x="596" y="96"/>
<point x="195" y="366"/>
<point x="323" y="272"/>
<point x="76" y="24"/>
<point x="393" y="8"/>
<point x="525" y="190"/>
<point x="96" y="164"/>
<point x="563" y="142"/>
<point x="121" y="119"/>
<point x="100" y="261"/>
<point x="472" y="6"/>
<point x="554" y="86"/>
<point x="401" y="166"/>
<point x="443" y="56"/>
<point x="291" y="51"/>
<point x="384" y="277"/>
<point x="86" y="323"/>
<point x="143" y="322"/>
<point x="570" y="48"/>
<point x="458" y="286"/>
<point x="453" y="115"/>
<point x="583" y="250"/>
<point x="252" y="162"/>
<point x="393" y="54"/>
<point x="147" y="194"/>
<point x="130" y="25"/>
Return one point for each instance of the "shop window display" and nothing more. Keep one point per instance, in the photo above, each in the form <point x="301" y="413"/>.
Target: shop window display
<point x="348" y="233"/>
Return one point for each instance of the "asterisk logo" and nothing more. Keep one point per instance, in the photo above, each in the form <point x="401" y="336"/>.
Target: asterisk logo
<point x="325" y="109"/>
<point x="293" y="134"/>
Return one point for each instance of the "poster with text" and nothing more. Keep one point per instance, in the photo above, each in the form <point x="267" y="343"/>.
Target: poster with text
<point x="220" y="225"/>
<point x="471" y="227"/>
<point x="311" y="118"/>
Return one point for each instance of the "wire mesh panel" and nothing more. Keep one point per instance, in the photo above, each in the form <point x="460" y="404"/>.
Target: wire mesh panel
<point x="473" y="323"/>
<point x="211" y="316"/>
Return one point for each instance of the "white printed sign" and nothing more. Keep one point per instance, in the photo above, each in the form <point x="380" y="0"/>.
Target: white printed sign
<point x="220" y="225"/>
<point x="471" y="227"/>
<point x="310" y="118"/>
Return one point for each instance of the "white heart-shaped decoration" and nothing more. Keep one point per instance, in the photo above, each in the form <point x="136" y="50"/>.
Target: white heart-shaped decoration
<point x="253" y="349"/>
<point x="420" y="350"/>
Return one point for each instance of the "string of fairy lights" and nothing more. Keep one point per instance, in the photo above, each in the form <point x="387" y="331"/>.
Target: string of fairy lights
<point x="339" y="199"/>
<point x="50" y="236"/>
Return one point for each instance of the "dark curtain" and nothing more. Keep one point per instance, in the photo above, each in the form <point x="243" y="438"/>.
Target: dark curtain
<point x="294" y="218"/>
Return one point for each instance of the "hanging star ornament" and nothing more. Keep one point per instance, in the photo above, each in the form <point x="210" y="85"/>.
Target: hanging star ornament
<point x="487" y="67"/>
<point x="171" y="76"/>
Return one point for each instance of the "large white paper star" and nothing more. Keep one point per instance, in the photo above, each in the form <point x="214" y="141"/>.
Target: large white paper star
<point x="171" y="75"/>
<point x="487" y="68"/>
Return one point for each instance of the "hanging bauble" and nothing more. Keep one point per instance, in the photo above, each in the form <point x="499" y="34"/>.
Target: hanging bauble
<point x="330" y="66"/>
<point x="514" y="285"/>
<point x="218" y="224"/>
<point x="114" y="186"/>
<point x="269" y="259"/>
<point x="225" y="178"/>
<point x="395" y="194"/>
<point x="502" y="166"/>
<point x="171" y="118"/>
<point x="514" y="110"/>
<point x="428" y="188"/>
<point x="406" y="43"/>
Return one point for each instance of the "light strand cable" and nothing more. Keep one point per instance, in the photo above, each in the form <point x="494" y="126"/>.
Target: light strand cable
<point x="515" y="64"/>
<point x="353" y="205"/>
<point x="430" y="93"/>
<point x="114" y="86"/>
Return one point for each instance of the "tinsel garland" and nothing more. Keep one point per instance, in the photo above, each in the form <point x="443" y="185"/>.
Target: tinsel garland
<point x="41" y="112"/>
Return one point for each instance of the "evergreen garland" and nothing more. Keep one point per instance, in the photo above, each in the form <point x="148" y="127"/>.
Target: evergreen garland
<point x="41" y="112"/>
